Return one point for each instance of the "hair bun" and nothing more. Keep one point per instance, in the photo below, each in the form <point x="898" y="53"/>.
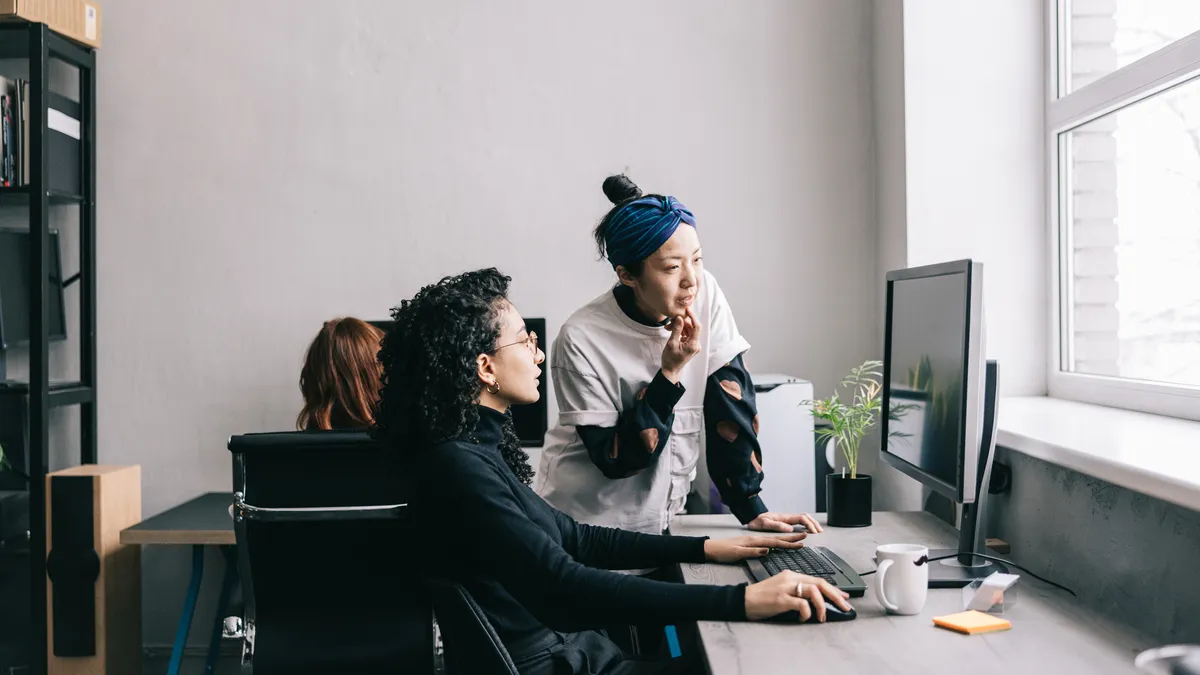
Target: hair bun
<point x="619" y="189"/>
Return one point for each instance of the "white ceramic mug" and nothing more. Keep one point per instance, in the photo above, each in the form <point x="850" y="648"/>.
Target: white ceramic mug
<point x="900" y="583"/>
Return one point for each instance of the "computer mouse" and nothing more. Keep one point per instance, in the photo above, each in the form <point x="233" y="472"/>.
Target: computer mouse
<point x="832" y="613"/>
<point x="799" y="528"/>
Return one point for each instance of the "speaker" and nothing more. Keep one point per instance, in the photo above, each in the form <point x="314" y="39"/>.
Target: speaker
<point x="94" y="592"/>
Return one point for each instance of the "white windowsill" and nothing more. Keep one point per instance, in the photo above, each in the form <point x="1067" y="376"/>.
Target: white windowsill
<point x="1154" y="455"/>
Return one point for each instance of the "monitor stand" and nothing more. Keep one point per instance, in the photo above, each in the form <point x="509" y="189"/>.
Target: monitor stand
<point x="964" y="567"/>
<point x="954" y="573"/>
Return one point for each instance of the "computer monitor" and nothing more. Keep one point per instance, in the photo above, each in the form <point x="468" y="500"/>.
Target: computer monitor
<point x="15" y="263"/>
<point x="529" y="421"/>
<point x="940" y="398"/>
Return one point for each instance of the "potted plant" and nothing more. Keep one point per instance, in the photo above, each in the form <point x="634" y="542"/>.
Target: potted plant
<point x="848" y="497"/>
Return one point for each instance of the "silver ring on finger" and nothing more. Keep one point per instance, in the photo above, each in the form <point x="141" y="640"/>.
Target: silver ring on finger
<point x="800" y="588"/>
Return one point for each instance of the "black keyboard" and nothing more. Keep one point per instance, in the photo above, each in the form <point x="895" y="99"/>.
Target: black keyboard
<point x="815" y="561"/>
<point x="803" y="560"/>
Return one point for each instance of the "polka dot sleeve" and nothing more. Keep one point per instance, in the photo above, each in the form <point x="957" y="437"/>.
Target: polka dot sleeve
<point x="731" y="432"/>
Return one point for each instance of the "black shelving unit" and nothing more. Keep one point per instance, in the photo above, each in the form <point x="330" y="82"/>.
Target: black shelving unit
<point x="39" y="45"/>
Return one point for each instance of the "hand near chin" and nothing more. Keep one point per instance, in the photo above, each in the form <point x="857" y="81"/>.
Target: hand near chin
<point x="683" y="344"/>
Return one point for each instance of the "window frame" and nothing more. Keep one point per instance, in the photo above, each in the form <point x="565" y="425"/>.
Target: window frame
<point x="1151" y="75"/>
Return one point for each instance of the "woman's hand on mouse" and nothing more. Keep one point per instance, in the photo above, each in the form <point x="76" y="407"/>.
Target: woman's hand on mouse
<point x="683" y="344"/>
<point x="734" y="549"/>
<point x="792" y="592"/>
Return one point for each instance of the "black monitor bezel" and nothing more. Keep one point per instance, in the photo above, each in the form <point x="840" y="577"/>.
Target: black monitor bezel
<point x="957" y="490"/>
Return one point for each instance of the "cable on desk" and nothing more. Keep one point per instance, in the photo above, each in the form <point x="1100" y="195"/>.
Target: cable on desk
<point x="993" y="559"/>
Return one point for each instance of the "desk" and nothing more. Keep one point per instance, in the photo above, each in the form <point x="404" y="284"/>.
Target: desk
<point x="203" y="521"/>
<point x="1051" y="633"/>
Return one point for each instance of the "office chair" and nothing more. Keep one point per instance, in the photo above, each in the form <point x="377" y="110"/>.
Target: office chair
<point x="471" y="645"/>
<point x="319" y="517"/>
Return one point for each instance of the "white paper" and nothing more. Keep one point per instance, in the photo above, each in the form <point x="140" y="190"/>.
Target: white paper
<point x="89" y="28"/>
<point x="63" y="123"/>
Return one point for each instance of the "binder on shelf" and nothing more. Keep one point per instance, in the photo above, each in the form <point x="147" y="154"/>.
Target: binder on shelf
<point x="23" y="86"/>
<point x="64" y="134"/>
<point x="6" y="157"/>
<point x="21" y="114"/>
<point x="9" y="154"/>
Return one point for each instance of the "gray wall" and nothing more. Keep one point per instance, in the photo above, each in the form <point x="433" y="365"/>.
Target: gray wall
<point x="892" y="489"/>
<point x="266" y="166"/>
<point x="1129" y="556"/>
<point x="975" y="167"/>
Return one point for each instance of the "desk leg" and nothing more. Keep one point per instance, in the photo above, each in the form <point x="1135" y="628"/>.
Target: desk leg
<point x="189" y="608"/>
<point x="214" y="646"/>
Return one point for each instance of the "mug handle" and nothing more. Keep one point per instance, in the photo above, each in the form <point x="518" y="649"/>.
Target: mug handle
<point x="883" y="568"/>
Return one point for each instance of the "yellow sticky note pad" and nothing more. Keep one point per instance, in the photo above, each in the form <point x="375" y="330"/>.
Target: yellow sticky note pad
<point x="972" y="622"/>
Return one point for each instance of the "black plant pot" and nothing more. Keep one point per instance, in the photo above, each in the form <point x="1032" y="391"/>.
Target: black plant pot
<point x="848" y="500"/>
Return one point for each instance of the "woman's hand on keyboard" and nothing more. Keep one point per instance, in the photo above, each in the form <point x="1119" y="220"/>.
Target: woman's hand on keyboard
<point x="792" y="592"/>
<point x="735" y="549"/>
<point x="783" y="522"/>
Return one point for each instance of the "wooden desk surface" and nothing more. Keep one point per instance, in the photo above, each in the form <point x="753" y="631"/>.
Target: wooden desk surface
<point x="1050" y="632"/>
<point x="203" y="520"/>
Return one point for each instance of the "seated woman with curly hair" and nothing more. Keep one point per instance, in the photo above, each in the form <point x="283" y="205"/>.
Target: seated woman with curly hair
<point x="456" y="358"/>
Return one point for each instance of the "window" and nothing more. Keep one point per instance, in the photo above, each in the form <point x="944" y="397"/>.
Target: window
<point x="1124" y="145"/>
<point x="1105" y="35"/>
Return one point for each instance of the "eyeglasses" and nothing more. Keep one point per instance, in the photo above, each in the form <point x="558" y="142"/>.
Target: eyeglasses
<point x="530" y="343"/>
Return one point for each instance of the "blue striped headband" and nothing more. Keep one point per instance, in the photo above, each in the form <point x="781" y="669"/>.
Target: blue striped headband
<point x="640" y="227"/>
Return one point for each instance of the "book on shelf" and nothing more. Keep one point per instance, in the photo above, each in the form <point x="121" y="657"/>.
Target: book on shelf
<point x="14" y="132"/>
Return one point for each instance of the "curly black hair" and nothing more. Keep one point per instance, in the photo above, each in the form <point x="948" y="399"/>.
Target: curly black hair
<point x="430" y="387"/>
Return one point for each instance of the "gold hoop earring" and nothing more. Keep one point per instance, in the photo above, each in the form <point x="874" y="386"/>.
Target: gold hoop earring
<point x="493" y="391"/>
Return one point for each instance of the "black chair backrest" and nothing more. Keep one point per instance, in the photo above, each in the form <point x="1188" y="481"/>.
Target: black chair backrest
<point x="324" y="549"/>
<point x="471" y="645"/>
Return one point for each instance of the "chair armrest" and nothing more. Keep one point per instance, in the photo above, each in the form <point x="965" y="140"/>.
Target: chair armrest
<point x="243" y="510"/>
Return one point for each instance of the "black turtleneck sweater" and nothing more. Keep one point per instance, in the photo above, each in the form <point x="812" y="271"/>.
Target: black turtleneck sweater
<point x="531" y="567"/>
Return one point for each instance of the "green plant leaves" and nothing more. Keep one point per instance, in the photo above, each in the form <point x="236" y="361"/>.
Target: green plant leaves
<point x="851" y="421"/>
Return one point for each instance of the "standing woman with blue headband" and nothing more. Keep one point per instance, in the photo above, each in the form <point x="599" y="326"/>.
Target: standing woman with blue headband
<point x="643" y="374"/>
<point x="645" y="370"/>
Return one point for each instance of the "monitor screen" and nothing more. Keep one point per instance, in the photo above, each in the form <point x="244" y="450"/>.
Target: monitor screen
<point x="529" y="421"/>
<point x="927" y="364"/>
<point x="14" y="289"/>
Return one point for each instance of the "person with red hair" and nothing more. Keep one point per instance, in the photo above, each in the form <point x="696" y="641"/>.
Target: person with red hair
<point x="340" y="380"/>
